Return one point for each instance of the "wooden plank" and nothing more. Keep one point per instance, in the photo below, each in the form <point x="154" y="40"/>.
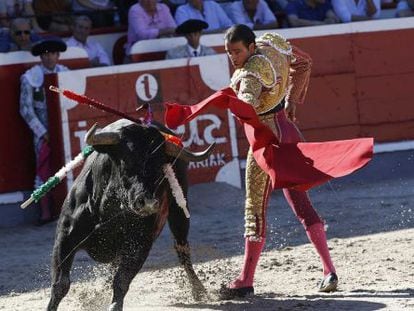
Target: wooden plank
<point x="384" y="52"/>
<point x="330" y="103"/>
<point x="385" y="98"/>
<point x="332" y="133"/>
<point x="395" y="131"/>
<point x="330" y="54"/>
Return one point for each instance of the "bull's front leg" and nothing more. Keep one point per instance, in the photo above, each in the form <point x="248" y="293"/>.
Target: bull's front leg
<point x="179" y="226"/>
<point x="197" y="288"/>
<point x="127" y="270"/>
<point x="62" y="258"/>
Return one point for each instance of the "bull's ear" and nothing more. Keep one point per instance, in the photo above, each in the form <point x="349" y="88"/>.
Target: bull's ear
<point x="187" y="155"/>
<point x="103" y="138"/>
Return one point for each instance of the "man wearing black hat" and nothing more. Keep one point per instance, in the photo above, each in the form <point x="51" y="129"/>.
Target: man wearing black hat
<point x="191" y="29"/>
<point x="33" y="109"/>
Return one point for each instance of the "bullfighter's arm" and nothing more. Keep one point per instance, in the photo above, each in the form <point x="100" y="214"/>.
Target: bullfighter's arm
<point x="300" y="75"/>
<point x="27" y="110"/>
<point x="249" y="90"/>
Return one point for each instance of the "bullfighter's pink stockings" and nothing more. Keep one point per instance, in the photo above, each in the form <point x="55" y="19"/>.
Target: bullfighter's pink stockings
<point x="317" y="236"/>
<point x="252" y="253"/>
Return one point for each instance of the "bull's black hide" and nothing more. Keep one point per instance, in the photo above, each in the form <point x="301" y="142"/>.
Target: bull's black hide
<point x="118" y="205"/>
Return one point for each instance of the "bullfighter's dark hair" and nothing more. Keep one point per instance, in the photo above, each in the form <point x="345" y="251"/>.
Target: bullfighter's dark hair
<point x="241" y="33"/>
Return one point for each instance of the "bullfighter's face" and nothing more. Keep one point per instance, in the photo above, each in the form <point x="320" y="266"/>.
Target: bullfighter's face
<point x="239" y="53"/>
<point x="193" y="39"/>
<point x="50" y="59"/>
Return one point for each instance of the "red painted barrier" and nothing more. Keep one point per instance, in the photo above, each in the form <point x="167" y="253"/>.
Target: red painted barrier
<point x="17" y="156"/>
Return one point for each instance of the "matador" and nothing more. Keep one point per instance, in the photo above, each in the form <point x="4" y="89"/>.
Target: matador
<point x="270" y="79"/>
<point x="273" y="77"/>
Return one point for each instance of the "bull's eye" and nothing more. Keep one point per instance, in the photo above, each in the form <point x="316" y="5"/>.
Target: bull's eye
<point x="130" y="145"/>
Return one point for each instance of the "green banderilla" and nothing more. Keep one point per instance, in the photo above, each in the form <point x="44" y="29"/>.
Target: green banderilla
<point x="58" y="177"/>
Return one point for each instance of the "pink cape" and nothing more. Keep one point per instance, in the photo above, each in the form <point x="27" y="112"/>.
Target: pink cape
<point x="290" y="165"/>
<point x="43" y="163"/>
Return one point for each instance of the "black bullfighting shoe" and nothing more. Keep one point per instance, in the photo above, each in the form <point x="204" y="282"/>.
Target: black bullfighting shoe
<point x="329" y="283"/>
<point x="226" y="293"/>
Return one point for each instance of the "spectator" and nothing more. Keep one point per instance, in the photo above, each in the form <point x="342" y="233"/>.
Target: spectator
<point x="10" y="9"/>
<point x="148" y="19"/>
<point x="208" y="11"/>
<point x="277" y="5"/>
<point x="310" y="13"/>
<point x="192" y="30"/>
<point x="174" y="4"/>
<point x="19" y="37"/>
<point x="356" y="10"/>
<point x="123" y="9"/>
<point x="81" y="29"/>
<point x="54" y="16"/>
<point x="33" y="109"/>
<point x="254" y="13"/>
<point x="405" y="8"/>
<point x="278" y="9"/>
<point x="101" y="12"/>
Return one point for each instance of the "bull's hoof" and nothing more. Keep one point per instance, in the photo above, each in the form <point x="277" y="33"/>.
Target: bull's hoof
<point x="115" y="307"/>
<point x="329" y="283"/>
<point x="199" y="292"/>
<point x="226" y="293"/>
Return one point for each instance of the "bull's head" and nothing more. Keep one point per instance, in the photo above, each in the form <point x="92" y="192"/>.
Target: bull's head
<point x="138" y="155"/>
<point x="112" y="138"/>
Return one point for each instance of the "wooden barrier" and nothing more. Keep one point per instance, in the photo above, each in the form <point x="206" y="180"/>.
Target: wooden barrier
<point x="16" y="156"/>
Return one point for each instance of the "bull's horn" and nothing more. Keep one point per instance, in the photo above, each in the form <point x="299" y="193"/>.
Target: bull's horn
<point x="186" y="155"/>
<point x="103" y="138"/>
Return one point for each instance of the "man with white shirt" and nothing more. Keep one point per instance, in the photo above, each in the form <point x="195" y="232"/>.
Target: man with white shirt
<point x="191" y="29"/>
<point x="81" y="29"/>
<point x="253" y="13"/>
<point x="208" y="11"/>
<point x="405" y="8"/>
<point x="101" y="12"/>
<point x="356" y="10"/>
<point x="33" y="109"/>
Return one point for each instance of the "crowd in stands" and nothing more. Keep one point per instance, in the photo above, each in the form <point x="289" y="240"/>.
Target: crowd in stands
<point x="24" y="22"/>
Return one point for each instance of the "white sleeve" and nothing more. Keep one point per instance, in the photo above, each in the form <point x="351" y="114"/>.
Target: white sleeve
<point x="27" y="111"/>
<point x="402" y="5"/>
<point x="378" y="6"/>
<point x="103" y="57"/>
<point x="268" y="16"/>
<point x="181" y="15"/>
<point x="341" y="10"/>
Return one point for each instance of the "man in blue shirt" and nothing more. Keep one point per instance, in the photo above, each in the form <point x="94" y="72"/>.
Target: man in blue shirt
<point x="255" y="14"/>
<point x="207" y="11"/>
<point x="19" y="38"/>
<point x="310" y="13"/>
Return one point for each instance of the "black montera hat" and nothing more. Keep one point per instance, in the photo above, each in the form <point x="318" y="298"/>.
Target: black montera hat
<point x="191" y="25"/>
<point x="48" y="45"/>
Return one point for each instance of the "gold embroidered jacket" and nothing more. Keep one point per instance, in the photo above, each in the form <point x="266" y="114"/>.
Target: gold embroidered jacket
<point x="271" y="72"/>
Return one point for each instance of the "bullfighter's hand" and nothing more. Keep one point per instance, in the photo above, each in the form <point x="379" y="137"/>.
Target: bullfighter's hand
<point x="46" y="138"/>
<point x="290" y="111"/>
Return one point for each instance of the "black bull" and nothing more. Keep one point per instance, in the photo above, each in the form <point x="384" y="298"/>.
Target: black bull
<point x="119" y="204"/>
